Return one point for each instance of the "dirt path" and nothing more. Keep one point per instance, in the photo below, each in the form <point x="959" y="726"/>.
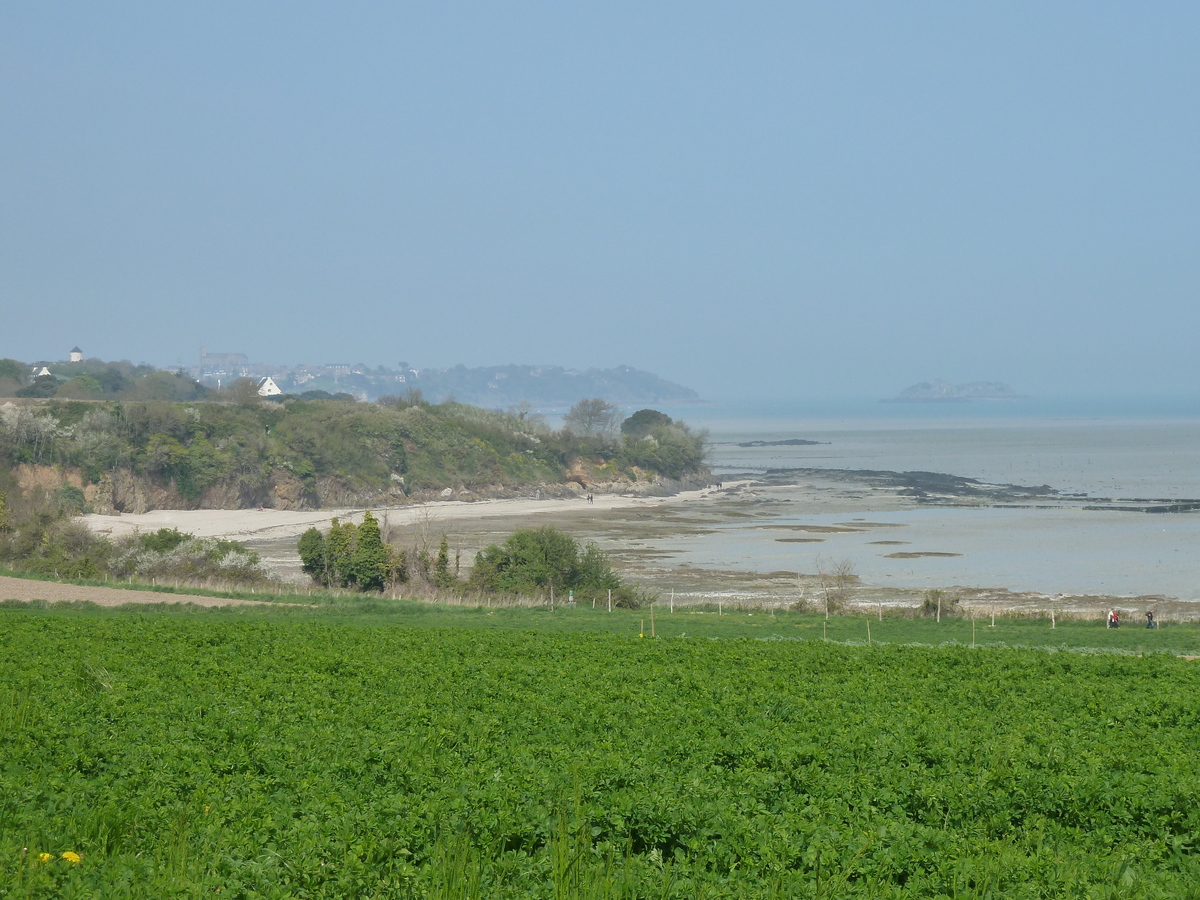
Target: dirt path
<point x="26" y="589"/>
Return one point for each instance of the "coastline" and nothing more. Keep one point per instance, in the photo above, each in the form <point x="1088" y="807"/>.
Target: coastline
<point x="758" y="541"/>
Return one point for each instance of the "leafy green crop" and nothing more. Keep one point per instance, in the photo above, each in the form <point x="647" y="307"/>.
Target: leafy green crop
<point x="179" y="755"/>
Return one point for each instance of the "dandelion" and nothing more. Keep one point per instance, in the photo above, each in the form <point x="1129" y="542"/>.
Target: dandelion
<point x="72" y="857"/>
<point x="45" y="857"/>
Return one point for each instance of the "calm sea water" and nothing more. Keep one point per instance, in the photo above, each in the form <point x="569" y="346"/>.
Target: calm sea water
<point x="1120" y="456"/>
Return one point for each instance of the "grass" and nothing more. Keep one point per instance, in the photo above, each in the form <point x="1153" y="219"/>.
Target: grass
<point x="688" y="623"/>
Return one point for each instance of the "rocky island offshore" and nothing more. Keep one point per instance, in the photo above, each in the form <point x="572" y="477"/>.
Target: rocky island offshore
<point x="939" y="391"/>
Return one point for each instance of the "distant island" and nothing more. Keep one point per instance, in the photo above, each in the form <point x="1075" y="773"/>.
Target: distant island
<point x="939" y="391"/>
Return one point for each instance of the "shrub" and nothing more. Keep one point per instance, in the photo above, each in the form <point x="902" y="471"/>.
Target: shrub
<point x="535" y="560"/>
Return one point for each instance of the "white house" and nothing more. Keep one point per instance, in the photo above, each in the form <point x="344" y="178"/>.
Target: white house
<point x="268" y="388"/>
<point x="38" y="372"/>
<point x="76" y="355"/>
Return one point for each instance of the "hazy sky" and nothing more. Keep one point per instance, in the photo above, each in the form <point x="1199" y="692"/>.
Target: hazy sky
<point x="789" y="199"/>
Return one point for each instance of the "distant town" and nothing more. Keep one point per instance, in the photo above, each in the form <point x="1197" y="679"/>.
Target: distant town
<point x="546" y="387"/>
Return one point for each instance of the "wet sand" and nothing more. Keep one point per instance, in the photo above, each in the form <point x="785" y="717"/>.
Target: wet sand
<point x="652" y="541"/>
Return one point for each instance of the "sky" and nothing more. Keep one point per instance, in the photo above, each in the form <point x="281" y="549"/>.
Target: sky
<point x="773" y="200"/>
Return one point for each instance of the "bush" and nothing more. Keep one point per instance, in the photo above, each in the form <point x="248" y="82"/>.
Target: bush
<point x="534" y="561"/>
<point x="938" y="602"/>
<point x="164" y="540"/>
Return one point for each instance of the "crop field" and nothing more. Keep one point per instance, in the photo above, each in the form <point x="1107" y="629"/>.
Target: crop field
<point x="316" y="754"/>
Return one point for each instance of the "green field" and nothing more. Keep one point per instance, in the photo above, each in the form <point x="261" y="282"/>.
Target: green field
<point x="401" y="750"/>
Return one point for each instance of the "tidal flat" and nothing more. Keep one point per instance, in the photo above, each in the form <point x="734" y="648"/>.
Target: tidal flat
<point x="773" y="543"/>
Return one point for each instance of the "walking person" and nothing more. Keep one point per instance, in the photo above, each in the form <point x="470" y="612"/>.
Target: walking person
<point x="1150" y="623"/>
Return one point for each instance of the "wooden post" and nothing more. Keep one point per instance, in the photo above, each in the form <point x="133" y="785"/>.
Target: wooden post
<point x="880" y="612"/>
<point x="552" y="597"/>
<point x="1052" y="625"/>
<point x="939" y="612"/>
<point x="972" y="630"/>
<point x="651" y="620"/>
<point x="610" y="599"/>
<point x="593" y="602"/>
<point x="642" y="629"/>
<point x="672" y="600"/>
<point x="719" y="604"/>
<point x="993" y="625"/>
<point x="868" y="632"/>
<point x="824" y="629"/>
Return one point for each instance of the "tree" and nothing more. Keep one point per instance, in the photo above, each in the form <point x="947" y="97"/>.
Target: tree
<point x="350" y="556"/>
<point x="10" y="368"/>
<point x="369" y="561"/>
<point x="81" y="387"/>
<point x="643" y="422"/>
<point x="12" y="377"/>
<point x="313" y="556"/>
<point x="669" y="448"/>
<point x="530" y="560"/>
<point x="441" y="568"/>
<point x="42" y="386"/>
<point x="837" y="580"/>
<point x="592" y="418"/>
<point x="339" y="547"/>
<point x="241" y="391"/>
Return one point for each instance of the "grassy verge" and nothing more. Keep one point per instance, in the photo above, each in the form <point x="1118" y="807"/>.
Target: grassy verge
<point x="689" y="623"/>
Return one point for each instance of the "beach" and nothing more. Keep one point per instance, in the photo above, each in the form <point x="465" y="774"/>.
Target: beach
<point x="1025" y="514"/>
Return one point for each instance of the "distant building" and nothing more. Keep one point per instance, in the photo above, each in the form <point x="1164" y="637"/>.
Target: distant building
<point x="76" y="355"/>
<point x="222" y="365"/>
<point x="268" y="388"/>
<point x="38" y="372"/>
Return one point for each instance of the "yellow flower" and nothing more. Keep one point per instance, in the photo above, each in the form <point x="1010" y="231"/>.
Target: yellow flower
<point x="45" y="857"/>
<point x="72" y="857"/>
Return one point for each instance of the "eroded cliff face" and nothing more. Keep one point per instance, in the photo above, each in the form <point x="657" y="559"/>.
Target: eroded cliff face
<point x="122" y="491"/>
<point x="49" y="479"/>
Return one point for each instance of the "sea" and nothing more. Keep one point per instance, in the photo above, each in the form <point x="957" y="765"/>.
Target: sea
<point x="1120" y="452"/>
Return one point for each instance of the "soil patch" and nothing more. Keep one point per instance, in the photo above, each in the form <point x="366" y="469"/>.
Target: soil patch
<point x="28" y="589"/>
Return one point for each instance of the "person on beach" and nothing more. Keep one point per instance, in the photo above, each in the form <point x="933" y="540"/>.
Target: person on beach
<point x="1150" y="623"/>
<point x="1114" y="620"/>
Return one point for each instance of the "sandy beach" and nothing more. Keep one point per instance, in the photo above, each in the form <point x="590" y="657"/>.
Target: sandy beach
<point x="273" y="525"/>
